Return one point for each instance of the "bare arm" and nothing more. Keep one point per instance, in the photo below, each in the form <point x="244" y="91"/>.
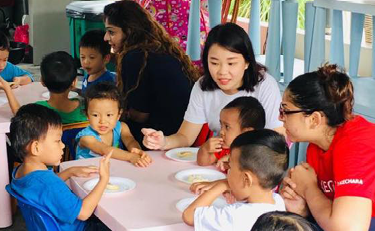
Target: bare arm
<point x="101" y="148"/>
<point x="204" y="199"/>
<point x="13" y="103"/>
<point x="22" y="80"/>
<point x="344" y="213"/>
<point x="206" y="152"/>
<point x="90" y="202"/>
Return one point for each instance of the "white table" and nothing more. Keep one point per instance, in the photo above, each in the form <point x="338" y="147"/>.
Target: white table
<point x="25" y="94"/>
<point x="151" y="205"/>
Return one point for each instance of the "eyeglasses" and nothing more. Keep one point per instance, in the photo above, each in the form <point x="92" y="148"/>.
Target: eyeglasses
<point x="283" y="112"/>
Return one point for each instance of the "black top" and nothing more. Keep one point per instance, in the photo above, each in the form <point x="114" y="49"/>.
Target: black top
<point x="163" y="91"/>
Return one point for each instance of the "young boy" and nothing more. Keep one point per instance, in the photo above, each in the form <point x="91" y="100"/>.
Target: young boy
<point x="258" y="162"/>
<point x="9" y="72"/>
<point x="94" y="56"/>
<point x="240" y="115"/>
<point x="35" y="134"/>
<point x="59" y="75"/>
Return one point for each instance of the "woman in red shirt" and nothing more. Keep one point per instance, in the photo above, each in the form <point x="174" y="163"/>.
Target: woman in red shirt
<point x="337" y="184"/>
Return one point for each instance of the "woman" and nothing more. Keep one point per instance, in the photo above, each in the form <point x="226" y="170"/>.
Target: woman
<point x="153" y="72"/>
<point x="230" y="72"/>
<point x="337" y="184"/>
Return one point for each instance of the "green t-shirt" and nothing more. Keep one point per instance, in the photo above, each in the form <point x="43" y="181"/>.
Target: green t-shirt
<point x="76" y="116"/>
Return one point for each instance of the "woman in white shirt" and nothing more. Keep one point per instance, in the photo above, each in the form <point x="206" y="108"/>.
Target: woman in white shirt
<point x="231" y="71"/>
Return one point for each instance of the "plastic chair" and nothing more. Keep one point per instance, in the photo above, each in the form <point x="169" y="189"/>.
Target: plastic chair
<point x="68" y="138"/>
<point x="203" y="136"/>
<point x="36" y="218"/>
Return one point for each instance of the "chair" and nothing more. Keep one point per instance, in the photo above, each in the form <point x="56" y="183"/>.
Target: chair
<point x="203" y="136"/>
<point x="36" y="218"/>
<point x="68" y="138"/>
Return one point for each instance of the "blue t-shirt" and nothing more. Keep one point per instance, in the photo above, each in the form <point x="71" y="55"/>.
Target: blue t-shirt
<point x="87" y="153"/>
<point x="106" y="76"/>
<point x="10" y="71"/>
<point x="45" y="188"/>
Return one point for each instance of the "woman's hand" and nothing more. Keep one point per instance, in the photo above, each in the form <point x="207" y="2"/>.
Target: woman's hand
<point x="304" y="177"/>
<point x="153" y="139"/>
<point x="293" y="202"/>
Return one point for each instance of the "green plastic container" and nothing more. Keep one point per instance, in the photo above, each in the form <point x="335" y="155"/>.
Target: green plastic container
<point x="84" y="16"/>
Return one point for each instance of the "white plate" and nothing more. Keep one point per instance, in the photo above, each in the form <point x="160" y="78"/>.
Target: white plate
<point x="124" y="184"/>
<point x="203" y="173"/>
<point x="184" y="203"/>
<point x="71" y="95"/>
<point x="174" y="154"/>
<point x="3" y="100"/>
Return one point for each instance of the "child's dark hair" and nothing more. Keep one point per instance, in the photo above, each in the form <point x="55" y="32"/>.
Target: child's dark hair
<point x="31" y="123"/>
<point x="4" y="42"/>
<point x="102" y="90"/>
<point x="58" y="71"/>
<point x="282" y="221"/>
<point x="251" y="112"/>
<point x="328" y="90"/>
<point x="235" y="39"/>
<point x="95" y="39"/>
<point x="265" y="153"/>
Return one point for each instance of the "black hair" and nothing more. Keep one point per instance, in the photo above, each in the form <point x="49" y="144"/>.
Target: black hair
<point x="58" y="71"/>
<point x="282" y="221"/>
<point x="4" y="42"/>
<point x="265" y="153"/>
<point x="251" y="112"/>
<point x="232" y="37"/>
<point x="102" y="90"/>
<point x="31" y="123"/>
<point x="95" y="39"/>
<point x="328" y="90"/>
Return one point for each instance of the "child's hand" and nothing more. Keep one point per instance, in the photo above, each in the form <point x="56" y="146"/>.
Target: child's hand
<point x="104" y="166"/>
<point x="83" y="171"/>
<point x="3" y="83"/>
<point x="229" y="197"/>
<point x="222" y="164"/>
<point x="144" y="160"/>
<point x="153" y="139"/>
<point x="201" y="187"/>
<point x="16" y="83"/>
<point x="213" y="144"/>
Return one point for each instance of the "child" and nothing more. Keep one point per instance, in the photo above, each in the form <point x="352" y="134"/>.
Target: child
<point x="240" y="115"/>
<point x="258" y="161"/>
<point x="94" y="55"/>
<point x="59" y="75"/>
<point x="282" y="221"/>
<point x="103" y="109"/>
<point x="8" y="71"/>
<point x="35" y="134"/>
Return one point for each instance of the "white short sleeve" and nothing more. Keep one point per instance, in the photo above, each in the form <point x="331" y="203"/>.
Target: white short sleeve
<point x="270" y="98"/>
<point x="195" y="112"/>
<point x="212" y="218"/>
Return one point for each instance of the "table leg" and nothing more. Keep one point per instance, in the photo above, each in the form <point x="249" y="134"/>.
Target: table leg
<point x="5" y="208"/>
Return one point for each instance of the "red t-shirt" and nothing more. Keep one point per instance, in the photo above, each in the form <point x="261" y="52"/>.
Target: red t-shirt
<point x="222" y="153"/>
<point x="348" y="167"/>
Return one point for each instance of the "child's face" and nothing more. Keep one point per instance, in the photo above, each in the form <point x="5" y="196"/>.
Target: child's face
<point x="50" y="148"/>
<point x="92" y="60"/>
<point x="4" y="54"/>
<point x="230" y="125"/>
<point x="103" y="115"/>
<point x="114" y="36"/>
<point x="226" y="68"/>
<point x="236" y="177"/>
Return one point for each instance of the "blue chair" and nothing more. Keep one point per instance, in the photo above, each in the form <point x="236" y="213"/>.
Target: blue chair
<point x="68" y="138"/>
<point x="36" y="218"/>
